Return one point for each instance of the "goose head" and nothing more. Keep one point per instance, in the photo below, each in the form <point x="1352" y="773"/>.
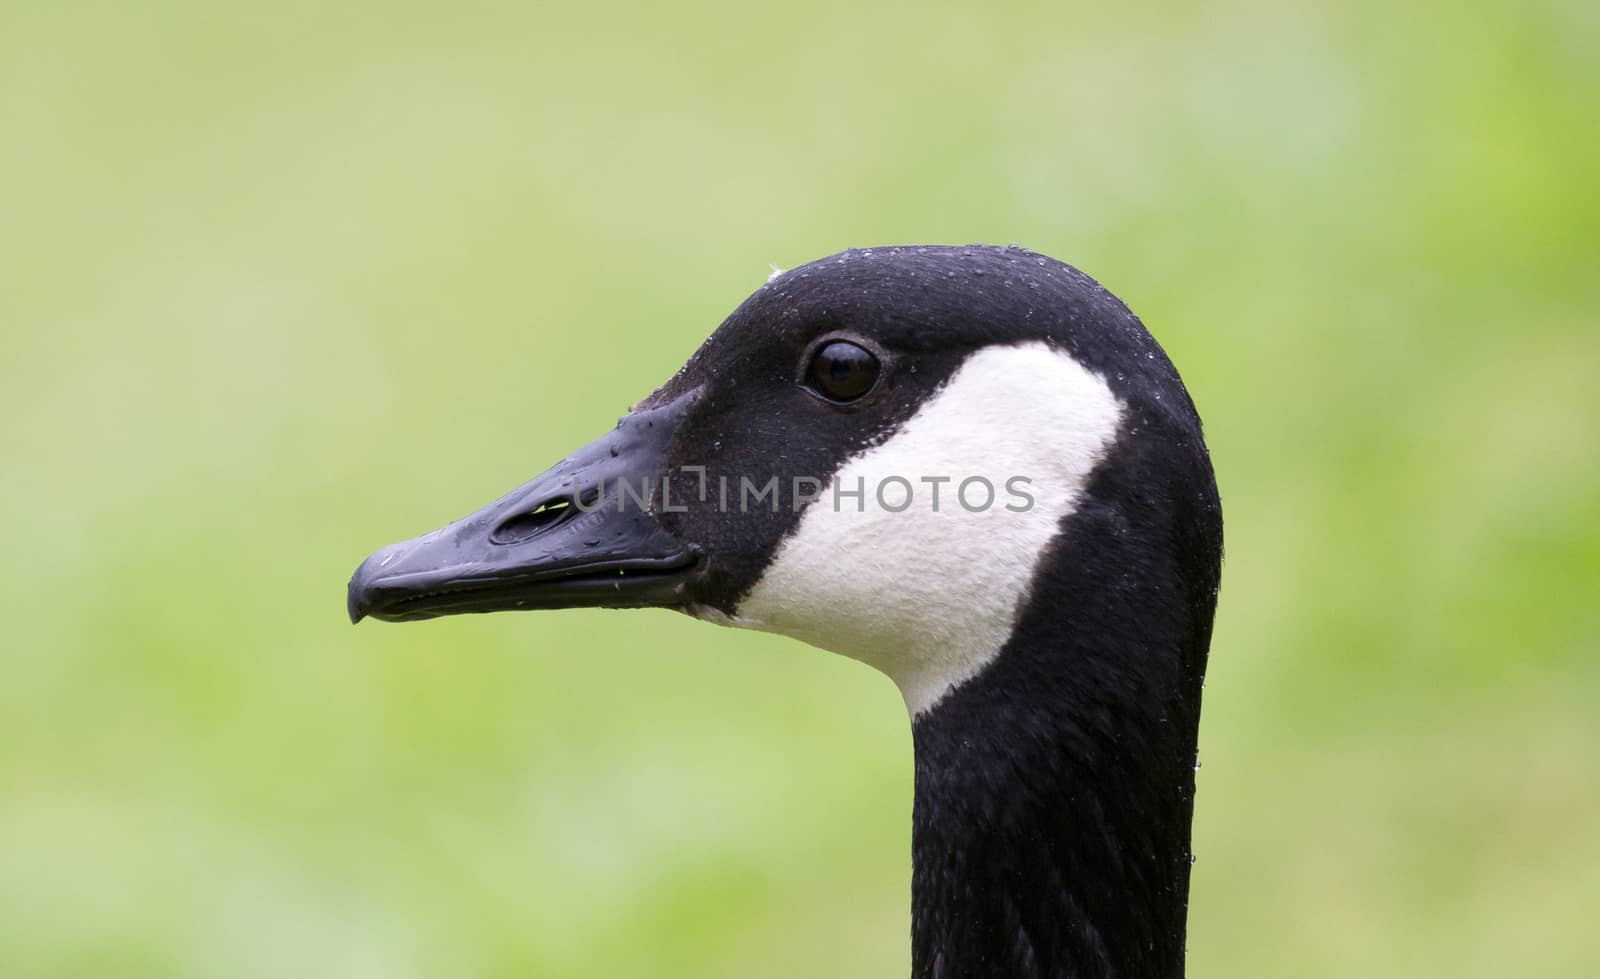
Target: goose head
<point x="971" y="468"/>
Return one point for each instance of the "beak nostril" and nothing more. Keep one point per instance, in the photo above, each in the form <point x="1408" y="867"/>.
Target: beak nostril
<point x="530" y="523"/>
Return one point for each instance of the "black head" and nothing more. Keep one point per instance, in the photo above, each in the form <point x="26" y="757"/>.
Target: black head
<point x="940" y="363"/>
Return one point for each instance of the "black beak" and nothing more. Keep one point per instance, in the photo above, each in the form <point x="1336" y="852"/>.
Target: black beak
<point x="581" y="535"/>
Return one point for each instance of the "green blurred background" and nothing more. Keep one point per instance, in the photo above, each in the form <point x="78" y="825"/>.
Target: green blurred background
<point x="283" y="283"/>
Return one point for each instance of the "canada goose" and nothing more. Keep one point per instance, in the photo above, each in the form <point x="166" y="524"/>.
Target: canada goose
<point x="974" y="469"/>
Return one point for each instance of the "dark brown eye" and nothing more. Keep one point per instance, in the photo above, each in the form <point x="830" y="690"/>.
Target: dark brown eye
<point x="842" y="371"/>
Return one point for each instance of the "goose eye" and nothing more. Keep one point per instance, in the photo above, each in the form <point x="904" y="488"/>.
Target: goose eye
<point x="842" y="371"/>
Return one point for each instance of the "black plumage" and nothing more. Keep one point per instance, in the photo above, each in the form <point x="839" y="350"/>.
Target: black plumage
<point x="1055" y="788"/>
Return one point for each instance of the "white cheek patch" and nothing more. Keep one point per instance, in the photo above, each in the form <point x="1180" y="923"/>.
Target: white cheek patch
<point x="929" y="595"/>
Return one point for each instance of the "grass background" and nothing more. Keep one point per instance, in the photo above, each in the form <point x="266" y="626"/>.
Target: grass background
<point x="283" y="283"/>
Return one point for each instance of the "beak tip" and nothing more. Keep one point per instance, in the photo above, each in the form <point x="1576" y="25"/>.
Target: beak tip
<point x="355" y="602"/>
